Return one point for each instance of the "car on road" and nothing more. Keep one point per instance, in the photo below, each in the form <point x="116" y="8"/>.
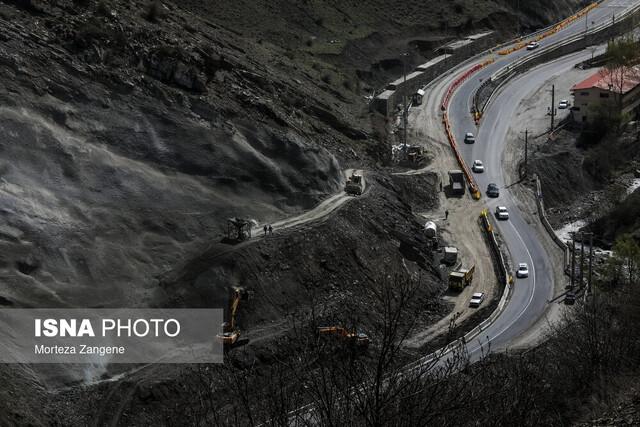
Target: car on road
<point x="533" y="45"/>
<point x="477" y="167"/>
<point x="502" y="212"/>
<point x="522" y="271"/>
<point x="493" y="190"/>
<point x="563" y="105"/>
<point x="476" y="299"/>
<point x="469" y="138"/>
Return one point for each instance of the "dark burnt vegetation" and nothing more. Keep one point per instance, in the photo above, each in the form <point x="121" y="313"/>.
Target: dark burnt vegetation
<point x="580" y="367"/>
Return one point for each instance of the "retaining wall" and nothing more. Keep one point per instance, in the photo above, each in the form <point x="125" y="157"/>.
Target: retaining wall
<point x="547" y="225"/>
<point x="386" y="103"/>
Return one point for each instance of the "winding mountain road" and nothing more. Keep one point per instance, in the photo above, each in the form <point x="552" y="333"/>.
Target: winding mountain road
<point x="530" y="296"/>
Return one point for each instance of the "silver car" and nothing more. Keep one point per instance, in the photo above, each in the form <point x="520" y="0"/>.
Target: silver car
<point x="522" y="271"/>
<point x="502" y="212"/>
<point x="476" y="299"/>
<point x="477" y="166"/>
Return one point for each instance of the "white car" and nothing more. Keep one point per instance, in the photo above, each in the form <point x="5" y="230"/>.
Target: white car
<point x="477" y="167"/>
<point x="502" y="212"/>
<point x="533" y="45"/>
<point x="476" y="299"/>
<point x="469" y="138"/>
<point x="563" y="105"/>
<point x="523" y="271"/>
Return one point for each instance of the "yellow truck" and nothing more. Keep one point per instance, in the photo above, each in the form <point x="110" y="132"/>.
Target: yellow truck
<point x="458" y="280"/>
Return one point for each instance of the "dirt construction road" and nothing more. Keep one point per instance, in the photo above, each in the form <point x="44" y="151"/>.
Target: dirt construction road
<point x="325" y="208"/>
<point x="461" y="229"/>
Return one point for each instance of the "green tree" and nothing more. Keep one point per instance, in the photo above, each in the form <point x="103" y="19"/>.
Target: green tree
<point x="626" y="249"/>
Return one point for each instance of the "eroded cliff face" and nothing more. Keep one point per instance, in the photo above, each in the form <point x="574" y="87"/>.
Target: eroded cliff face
<point x="131" y="130"/>
<point x="127" y="144"/>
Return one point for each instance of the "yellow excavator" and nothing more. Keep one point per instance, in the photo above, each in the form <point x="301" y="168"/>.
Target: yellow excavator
<point x="360" y="339"/>
<point x="230" y="333"/>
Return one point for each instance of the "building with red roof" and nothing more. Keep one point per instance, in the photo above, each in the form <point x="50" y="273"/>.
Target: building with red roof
<point x="617" y="89"/>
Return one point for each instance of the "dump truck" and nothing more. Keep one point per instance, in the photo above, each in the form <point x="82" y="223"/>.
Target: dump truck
<point x="230" y="333"/>
<point x="458" y="280"/>
<point x="359" y="339"/>
<point x="456" y="181"/>
<point x="354" y="185"/>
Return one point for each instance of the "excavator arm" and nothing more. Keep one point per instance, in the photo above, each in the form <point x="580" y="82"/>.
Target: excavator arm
<point x="234" y="309"/>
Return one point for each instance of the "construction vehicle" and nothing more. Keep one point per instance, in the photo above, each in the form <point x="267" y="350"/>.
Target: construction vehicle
<point x="230" y="333"/>
<point x="238" y="229"/>
<point x="456" y="181"/>
<point x="358" y="339"/>
<point x="458" y="280"/>
<point x="449" y="255"/>
<point x="354" y="185"/>
<point x="413" y="156"/>
<point x="430" y="229"/>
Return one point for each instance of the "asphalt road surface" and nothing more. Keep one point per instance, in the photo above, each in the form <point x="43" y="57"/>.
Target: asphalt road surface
<point x="530" y="295"/>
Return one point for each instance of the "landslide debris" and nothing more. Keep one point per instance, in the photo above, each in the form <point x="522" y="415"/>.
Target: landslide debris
<point x="128" y="142"/>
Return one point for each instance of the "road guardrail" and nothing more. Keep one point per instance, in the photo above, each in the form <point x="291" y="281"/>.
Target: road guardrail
<point x="572" y="44"/>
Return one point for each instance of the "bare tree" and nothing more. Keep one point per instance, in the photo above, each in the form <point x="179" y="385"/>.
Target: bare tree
<point x="619" y="71"/>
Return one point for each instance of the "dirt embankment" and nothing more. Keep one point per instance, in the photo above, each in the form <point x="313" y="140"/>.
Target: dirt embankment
<point x="324" y="273"/>
<point x="591" y="182"/>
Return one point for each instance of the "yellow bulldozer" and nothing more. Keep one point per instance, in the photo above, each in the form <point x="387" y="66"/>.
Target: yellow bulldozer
<point x="359" y="339"/>
<point x="230" y="333"/>
<point x="458" y="280"/>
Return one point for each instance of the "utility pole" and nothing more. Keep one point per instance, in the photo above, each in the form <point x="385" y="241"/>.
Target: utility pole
<point x="586" y="23"/>
<point x="581" y="259"/>
<point x="573" y="261"/>
<point x="404" y="100"/>
<point x="553" y="105"/>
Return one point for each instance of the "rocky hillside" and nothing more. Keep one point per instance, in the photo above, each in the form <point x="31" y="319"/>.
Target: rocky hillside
<point x="366" y="37"/>
<point x="128" y="140"/>
<point x="595" y="181"/>
<point x="131" y="130"/>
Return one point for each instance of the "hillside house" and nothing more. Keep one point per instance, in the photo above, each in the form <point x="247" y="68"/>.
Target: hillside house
<point x="619" y="89"/>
